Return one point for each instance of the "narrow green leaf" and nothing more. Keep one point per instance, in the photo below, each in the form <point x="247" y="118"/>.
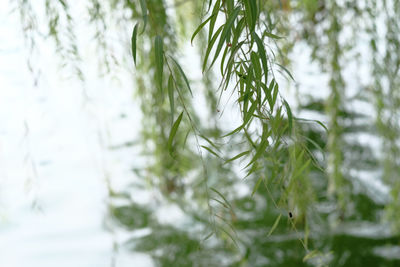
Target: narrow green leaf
<point x="289" y="114"/>
<point x="249" y="114"/>
<point x="209" y="5"/>
<point x="183" y="75"/>
<point x="317" y="121"/>
<point x="211" y="151"/>
<point x="201" y="26"/>
<point x="260" y="150"/>
<point x="275" y="225"/>
<point x="234" y="131"/>
<point x="226" y="221"/>
<point x="133" y="42"/>
<point x="267" y="95"/>
<point x="275" y="95"/>
<point x="143" y="6"/>
<point x="230" y="236"/>
<point x="228" y="66"/>
<point x="210" y="46"/>
<point x="255" y="167"/>
<point x="221" y="195"/>
<point x="245" y="97"/>
<point x="310" y="255"/>
<point x="254" y="13"/>
<point x="256" y="186"/>
<point x="251" y="13"/>
<point x="220" y="202"/>
<point x="273" y="36"/>
<point x="315" y="144"/>
<point x="208" y="236"/>
<point x="210" y="142"/>
<point x="186" y="137"/>
<point x="303" y="167"/>
<point x="237" y="32"/>
<point x="286" y="70"/>
<point x="171" y="94"/>
<point x="215" y="11"/>
<point x="159" y="56"/>
<point x="256" y="65"/>
<point x="225" y="33"/>
<point x="263" y="55"/>
<point x="237" y="156"/>
<point x="174" y="129"/>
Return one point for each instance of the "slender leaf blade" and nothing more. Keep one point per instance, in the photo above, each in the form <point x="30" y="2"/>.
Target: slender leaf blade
<point x="183" y="75"/>
<point x="159" y="56"/>
<point x="201" y="26"/>
<point x="173" y="131"/>
<point x="237" y="156"/>
<point x="275" y="225"/>
<point x="210" y="46"/>
<point x="171" y="94"/>
<point x="310" y="255"/>
<point x="133" y="42"/>
<point x="256" y="186"/>
<point x="211" y="151"/>
<point x="225" y="32"/>
<point x="262" y="54"/>
<point x="143" y="6"/>
<point x="289" y="114"/>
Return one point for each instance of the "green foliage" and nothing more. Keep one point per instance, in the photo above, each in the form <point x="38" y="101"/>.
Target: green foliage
<point x="301" y="177"/>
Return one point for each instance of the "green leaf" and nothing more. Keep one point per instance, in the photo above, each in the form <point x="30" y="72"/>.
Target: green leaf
<point x="171" y="94"/>
<point x="273" y="36"/>
<point x="310" y="255"/>
<point x="256" y="65"/>
<point x="317" y="121"/>
<point x="215" y="11"/>
<point x="275" y="225"/>
<point x="172" y="134"/>
<point x="303" y="167"/>
<point x="256" y="186"/>
<point x="228" y="66"/>
<point x="143" y="6"/>
<point x="208" y="236"/>
<point x="159" y="56"/>
<point x="263" y="55"/>
<point x="260" y="150"/>
<point x="251" y="13"/>
<point x="237" y="156"/>
<point x="133" y="42"/>
<point x="275" y="95"/>
<point x="201" y="26"/>
<point x="234" y="131"/>
<point x="230" y="236"/>
<point x="225" y="32"/>
<point x="211" y="151"/>
<point x="315" y="145"/>
<point x="210" y="46"/>
<point x="286" y="70"/>
<point x="186" y="137"/>
<point x="209" y="141"/>
<point x="249" y="114"/>
<point x="289" y="114"/>
<point x="222" y="196"/>
<point x="183" y="75"/>
<point x="220" y="202"/>
<point x="253" y="169"/>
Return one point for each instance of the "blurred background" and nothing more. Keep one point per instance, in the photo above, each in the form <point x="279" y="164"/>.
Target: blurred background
<point x="86" y="172"/>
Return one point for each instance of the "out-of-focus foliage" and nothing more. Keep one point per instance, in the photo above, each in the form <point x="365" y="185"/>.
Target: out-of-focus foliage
<point x="280" y="189"/>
